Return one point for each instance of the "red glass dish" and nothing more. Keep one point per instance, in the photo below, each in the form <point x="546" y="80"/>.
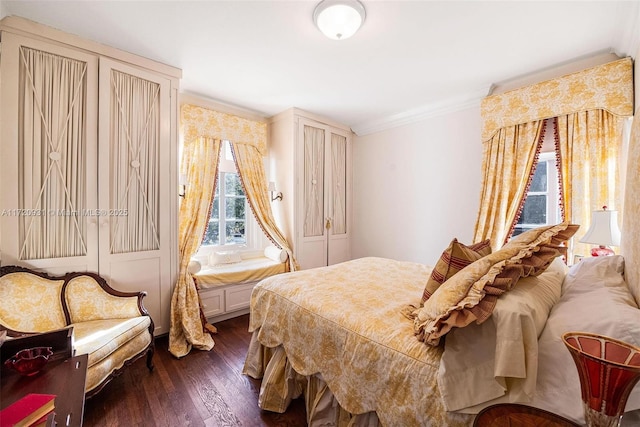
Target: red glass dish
<point x="29" y="361"/>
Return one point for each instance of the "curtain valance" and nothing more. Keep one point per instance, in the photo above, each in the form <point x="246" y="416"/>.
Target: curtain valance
<point x="605" y="87"/>
<point x="201" y="122"/>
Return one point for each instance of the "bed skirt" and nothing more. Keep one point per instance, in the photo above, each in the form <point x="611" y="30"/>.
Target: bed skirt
<point x="281" y="384"/>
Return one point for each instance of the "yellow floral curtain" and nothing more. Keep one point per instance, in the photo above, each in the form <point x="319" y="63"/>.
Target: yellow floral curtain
<point x="607" y="87"/>
<point x="589" y="145"/>
<point x="508" y="160"/>
<point x="200" y="163"/>
<point x="202" y="131"/>
<point x="249" y="163"/>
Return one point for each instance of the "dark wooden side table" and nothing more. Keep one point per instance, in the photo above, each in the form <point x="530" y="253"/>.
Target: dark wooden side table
<point x="64" y="378"/>
<point x="512" y="414"/>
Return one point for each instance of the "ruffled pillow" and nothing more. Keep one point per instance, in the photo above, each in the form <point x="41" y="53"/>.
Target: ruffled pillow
<point x="471" y="294"/>
<point x="456" y="257"/>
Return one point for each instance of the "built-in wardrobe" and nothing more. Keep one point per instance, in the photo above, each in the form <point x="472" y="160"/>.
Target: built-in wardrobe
<point x="88" y="174"/>
<point x="310" y="163"/>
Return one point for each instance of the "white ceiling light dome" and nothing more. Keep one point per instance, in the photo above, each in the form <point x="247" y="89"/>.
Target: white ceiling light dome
<point x="339" y="19"/>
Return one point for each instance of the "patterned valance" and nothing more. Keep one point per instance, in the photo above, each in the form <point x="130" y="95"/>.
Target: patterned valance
<point x="197" y="122"/>
<point x="605" y="87"/>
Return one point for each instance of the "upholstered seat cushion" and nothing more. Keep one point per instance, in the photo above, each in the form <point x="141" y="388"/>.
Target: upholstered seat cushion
<point x="109" y="344"/>
<point x="100" y="338"/>
<point x="97" y="373"/>
<point x="249" y="270"/>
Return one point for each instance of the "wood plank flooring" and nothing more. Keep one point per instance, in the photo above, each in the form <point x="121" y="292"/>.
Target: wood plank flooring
<point x="204" y="388"/>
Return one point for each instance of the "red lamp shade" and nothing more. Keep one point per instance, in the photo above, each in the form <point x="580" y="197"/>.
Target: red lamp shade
<point x="608" y="371"/>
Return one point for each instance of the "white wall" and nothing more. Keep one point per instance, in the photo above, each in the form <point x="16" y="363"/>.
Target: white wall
<point x="416" y="187"/>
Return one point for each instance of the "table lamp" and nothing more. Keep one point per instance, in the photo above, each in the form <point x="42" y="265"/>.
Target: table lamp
<point x="603" y="232"/>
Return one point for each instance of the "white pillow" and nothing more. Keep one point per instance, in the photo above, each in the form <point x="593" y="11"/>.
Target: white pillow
<point x="194" y="266"/>
<point x="497" y="359"/>
<point x="595" y="298"/>
<point x="275" y="253"/>
<point x="226" y="257"/>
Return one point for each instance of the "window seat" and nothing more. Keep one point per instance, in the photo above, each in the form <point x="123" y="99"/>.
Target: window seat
<point x="225" y="287"/>
<point x="246" y="271"/>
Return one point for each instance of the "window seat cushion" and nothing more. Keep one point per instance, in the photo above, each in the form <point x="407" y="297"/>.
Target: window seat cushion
<point x="246" y="271"/>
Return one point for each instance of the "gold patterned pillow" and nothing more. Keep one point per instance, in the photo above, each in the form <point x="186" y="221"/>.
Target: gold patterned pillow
<point x="456" y="257"/>
<point x="471" y="294"/>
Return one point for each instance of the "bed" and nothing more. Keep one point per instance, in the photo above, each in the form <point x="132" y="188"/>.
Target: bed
<point x="367" y="343"/>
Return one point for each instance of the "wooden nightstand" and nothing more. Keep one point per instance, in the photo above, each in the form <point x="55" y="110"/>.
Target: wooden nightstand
<point x="512" y="414"/>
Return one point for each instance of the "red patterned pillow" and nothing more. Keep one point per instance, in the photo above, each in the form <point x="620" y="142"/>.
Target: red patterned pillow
<point x="456" y="257"/>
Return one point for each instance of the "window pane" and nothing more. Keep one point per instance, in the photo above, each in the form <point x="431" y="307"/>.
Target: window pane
<point x="232" y="186"/>
<point x="215" y="208"/>
<point x="539" y="181"/>
<point x="235" y="232"/>
<point x="520" y="230"/>
<point x="227" y="221"/>
<point x="234" y="208"/>
<point x="535" y="210"/>
<point x="211" y="237"/>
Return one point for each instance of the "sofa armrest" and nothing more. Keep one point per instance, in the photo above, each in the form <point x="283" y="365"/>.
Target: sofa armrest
<point x="89" y="297"/>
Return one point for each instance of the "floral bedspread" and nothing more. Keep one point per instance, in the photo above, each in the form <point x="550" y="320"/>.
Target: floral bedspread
<point x="344" y="322"/>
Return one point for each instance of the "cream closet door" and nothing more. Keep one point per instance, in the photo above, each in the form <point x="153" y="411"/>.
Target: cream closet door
<point x="338" y="239"/>
<point x="133" y="188"/>
<point x="323" y="196"/>
<point x="48" y="156"/>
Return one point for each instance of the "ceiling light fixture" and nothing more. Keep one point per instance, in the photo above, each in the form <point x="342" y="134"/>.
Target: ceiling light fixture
<point x="339" y="19"/>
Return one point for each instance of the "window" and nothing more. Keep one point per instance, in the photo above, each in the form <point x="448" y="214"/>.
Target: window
<point x="541" y="206"/>
<point x="228" y="220"/>
<point x="232" y="226"/>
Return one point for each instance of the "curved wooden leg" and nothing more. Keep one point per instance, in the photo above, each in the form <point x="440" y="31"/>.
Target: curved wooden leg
<point x="150" y="358"/>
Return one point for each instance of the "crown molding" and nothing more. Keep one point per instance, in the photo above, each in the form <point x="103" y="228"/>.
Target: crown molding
<point x="449" y="105"/>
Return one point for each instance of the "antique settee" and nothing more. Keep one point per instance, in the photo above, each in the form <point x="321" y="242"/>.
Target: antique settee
<point x="113" y="328"/>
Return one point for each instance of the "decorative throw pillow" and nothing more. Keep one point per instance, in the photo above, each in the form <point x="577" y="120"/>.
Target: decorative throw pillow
<point x="471" y="294"/>
<point x="456" y="257"/>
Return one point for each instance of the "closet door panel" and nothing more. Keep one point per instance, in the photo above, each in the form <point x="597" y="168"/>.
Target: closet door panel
<point x="124" y="274"/>
<point x="311" y="199"/>
<point x="134" y="190"/>
<point x="49" y="97"/>
<point x="313" y="184"/>
<point x="338" y="183"/>
<point x="339" y="207"/>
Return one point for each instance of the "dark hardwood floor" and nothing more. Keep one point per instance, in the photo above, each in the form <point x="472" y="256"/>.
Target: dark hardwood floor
<point x="204" y="388"/>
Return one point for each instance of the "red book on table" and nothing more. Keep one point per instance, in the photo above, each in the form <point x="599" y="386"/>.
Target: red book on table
<point x="27" y="411"/>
